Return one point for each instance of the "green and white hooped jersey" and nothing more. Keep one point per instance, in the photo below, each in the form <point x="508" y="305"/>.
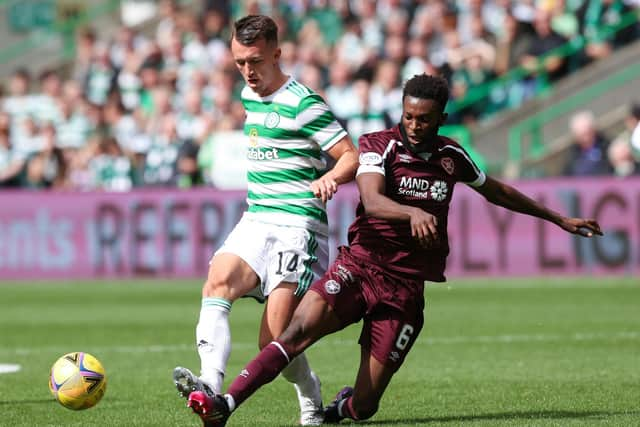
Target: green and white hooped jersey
<point x="287" y="131"/>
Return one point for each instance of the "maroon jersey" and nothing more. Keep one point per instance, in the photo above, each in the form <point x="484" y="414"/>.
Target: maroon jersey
<point x="424" y="180"/>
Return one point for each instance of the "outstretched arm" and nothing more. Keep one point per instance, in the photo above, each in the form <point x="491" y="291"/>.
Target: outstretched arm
<point x="508" y="197"/>
<point x="343" y="171"/>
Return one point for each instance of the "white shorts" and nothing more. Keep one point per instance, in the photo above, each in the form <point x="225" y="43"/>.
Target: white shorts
<point x="279" y="253"/>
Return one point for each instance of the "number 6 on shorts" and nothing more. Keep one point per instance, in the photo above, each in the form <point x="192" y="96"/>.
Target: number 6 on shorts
<point x="404" y="337"/>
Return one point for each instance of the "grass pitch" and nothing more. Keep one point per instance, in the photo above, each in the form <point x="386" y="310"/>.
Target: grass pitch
<point x="534" y="352"/>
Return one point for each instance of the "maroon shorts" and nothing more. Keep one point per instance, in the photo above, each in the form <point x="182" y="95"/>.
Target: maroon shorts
<point x="391" y="308"/>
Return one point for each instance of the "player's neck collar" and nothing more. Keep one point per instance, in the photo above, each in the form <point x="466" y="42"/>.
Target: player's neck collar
<point x="423" y="147"/>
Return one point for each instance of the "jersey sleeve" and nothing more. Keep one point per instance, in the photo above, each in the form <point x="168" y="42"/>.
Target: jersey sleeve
<point x="371" y="155"/>
<point x="456" y="161"/>
<point x="316" y="121"/>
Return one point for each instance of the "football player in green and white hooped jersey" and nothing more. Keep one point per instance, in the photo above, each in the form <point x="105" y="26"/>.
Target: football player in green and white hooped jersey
<point x="281" y="243"/>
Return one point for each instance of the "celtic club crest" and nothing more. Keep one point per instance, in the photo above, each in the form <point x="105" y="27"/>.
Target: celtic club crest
<point x="272" y="120"/>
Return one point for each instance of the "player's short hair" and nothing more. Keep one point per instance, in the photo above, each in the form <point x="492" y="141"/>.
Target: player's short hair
<point x="251" y="28"/>
<point x="424" y="86"/>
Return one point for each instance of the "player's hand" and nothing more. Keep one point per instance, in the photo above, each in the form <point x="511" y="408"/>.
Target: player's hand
<point x="324" y="188"/>
<point x="581" y="226"/>
<point x="424" y="228"/>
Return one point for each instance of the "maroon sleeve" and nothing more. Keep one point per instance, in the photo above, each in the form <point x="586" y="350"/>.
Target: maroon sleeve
<point x="373" y="149"/>
<point x="457" y="162"/>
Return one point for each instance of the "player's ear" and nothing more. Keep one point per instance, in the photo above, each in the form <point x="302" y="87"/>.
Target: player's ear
<point x="277" y="54"/>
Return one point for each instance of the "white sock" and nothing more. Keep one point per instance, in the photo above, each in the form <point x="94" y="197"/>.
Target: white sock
<point x="298" y="372"/>
<point x="213" y="338"/>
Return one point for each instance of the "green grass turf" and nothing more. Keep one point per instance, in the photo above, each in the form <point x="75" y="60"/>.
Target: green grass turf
<point x="535" y="352"/>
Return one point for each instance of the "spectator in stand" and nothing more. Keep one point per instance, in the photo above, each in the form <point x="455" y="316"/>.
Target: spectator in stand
<point x="473" y="72"/>
<point x="371" y="25"/>
<point x="365" y="117"/>
<point x="111" y="169"/>
<point x="191" y="122"/>
<point x="45" y="104"/>
<point x="47" y="167"/>
<point x="563" y="20"/>
<point x="621" y="158"/>
<point x="588" y="154"/>
<point x="127" y="41"/>
<point x="11" y="161"/>
<point x="289" y="59"/>
<point x="600" y="17"/>
<point x="351" y="47"/>
<point x="85" y="44"/>
<point x="543" y="67"/>
<point x="386" y="90"/>
<point x="339" y="93"/>
<point x="123" y="126"/>
<point x="128" y="82"/>
<point x="311" y="77"/>
<point x="100" y="76"/>
<point x="161" y="158"/>
<point x="514" y="41"/>
<point x="18" y="102"/>
<point x="632" y="125"/>
<point x="73" y="126"/>
<point x="168" y="25"/>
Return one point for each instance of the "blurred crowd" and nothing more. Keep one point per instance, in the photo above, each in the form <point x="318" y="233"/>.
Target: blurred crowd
<point x="140" y="107"/>
<point x="594" y="154"/>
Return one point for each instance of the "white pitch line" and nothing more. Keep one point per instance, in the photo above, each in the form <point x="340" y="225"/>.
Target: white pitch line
<point x="7" y="368"/>
<point x="480" y="339"/>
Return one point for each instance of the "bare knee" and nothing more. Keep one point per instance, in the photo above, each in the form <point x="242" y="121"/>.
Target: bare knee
<point x="229" y="277"/>
<point x="365" y="408"/>
<point x="218" y="286"/>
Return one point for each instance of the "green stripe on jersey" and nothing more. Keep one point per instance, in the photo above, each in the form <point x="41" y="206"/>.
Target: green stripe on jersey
<point x="299" y="195"/>
<point x="318" y="123"/>
<point x="284" y="175"/>
<point x="309" y="101"/>
<point x="308" y="211"/>
<point x="307" y="277"/>
<point x="297" y="89"/>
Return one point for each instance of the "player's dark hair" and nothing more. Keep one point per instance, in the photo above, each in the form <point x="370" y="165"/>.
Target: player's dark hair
<point x="424" y="86"/>
<point x="251" y="28"/>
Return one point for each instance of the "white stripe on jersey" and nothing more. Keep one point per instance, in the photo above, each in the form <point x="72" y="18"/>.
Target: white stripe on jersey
<point x="378" y="169"/>
<point x="481" y="176"/>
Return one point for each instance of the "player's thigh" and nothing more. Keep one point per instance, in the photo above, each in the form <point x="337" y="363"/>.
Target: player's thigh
<point x="240" y="264"/>
<point x="278" y="312"/>
<point x="313" y="319"/>
<point x="389" y="333"/>
<point x="229" y="277"/>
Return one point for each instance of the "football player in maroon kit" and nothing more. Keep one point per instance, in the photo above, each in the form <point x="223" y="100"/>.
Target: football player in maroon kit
<point x="397" y="242"/>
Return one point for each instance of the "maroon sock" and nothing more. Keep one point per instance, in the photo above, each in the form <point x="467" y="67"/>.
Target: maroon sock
<point x="260" y="371"/>
<point x="347" y="409"/>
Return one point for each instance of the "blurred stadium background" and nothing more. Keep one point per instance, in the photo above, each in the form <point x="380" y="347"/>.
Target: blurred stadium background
<point x="121" y="167"/>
